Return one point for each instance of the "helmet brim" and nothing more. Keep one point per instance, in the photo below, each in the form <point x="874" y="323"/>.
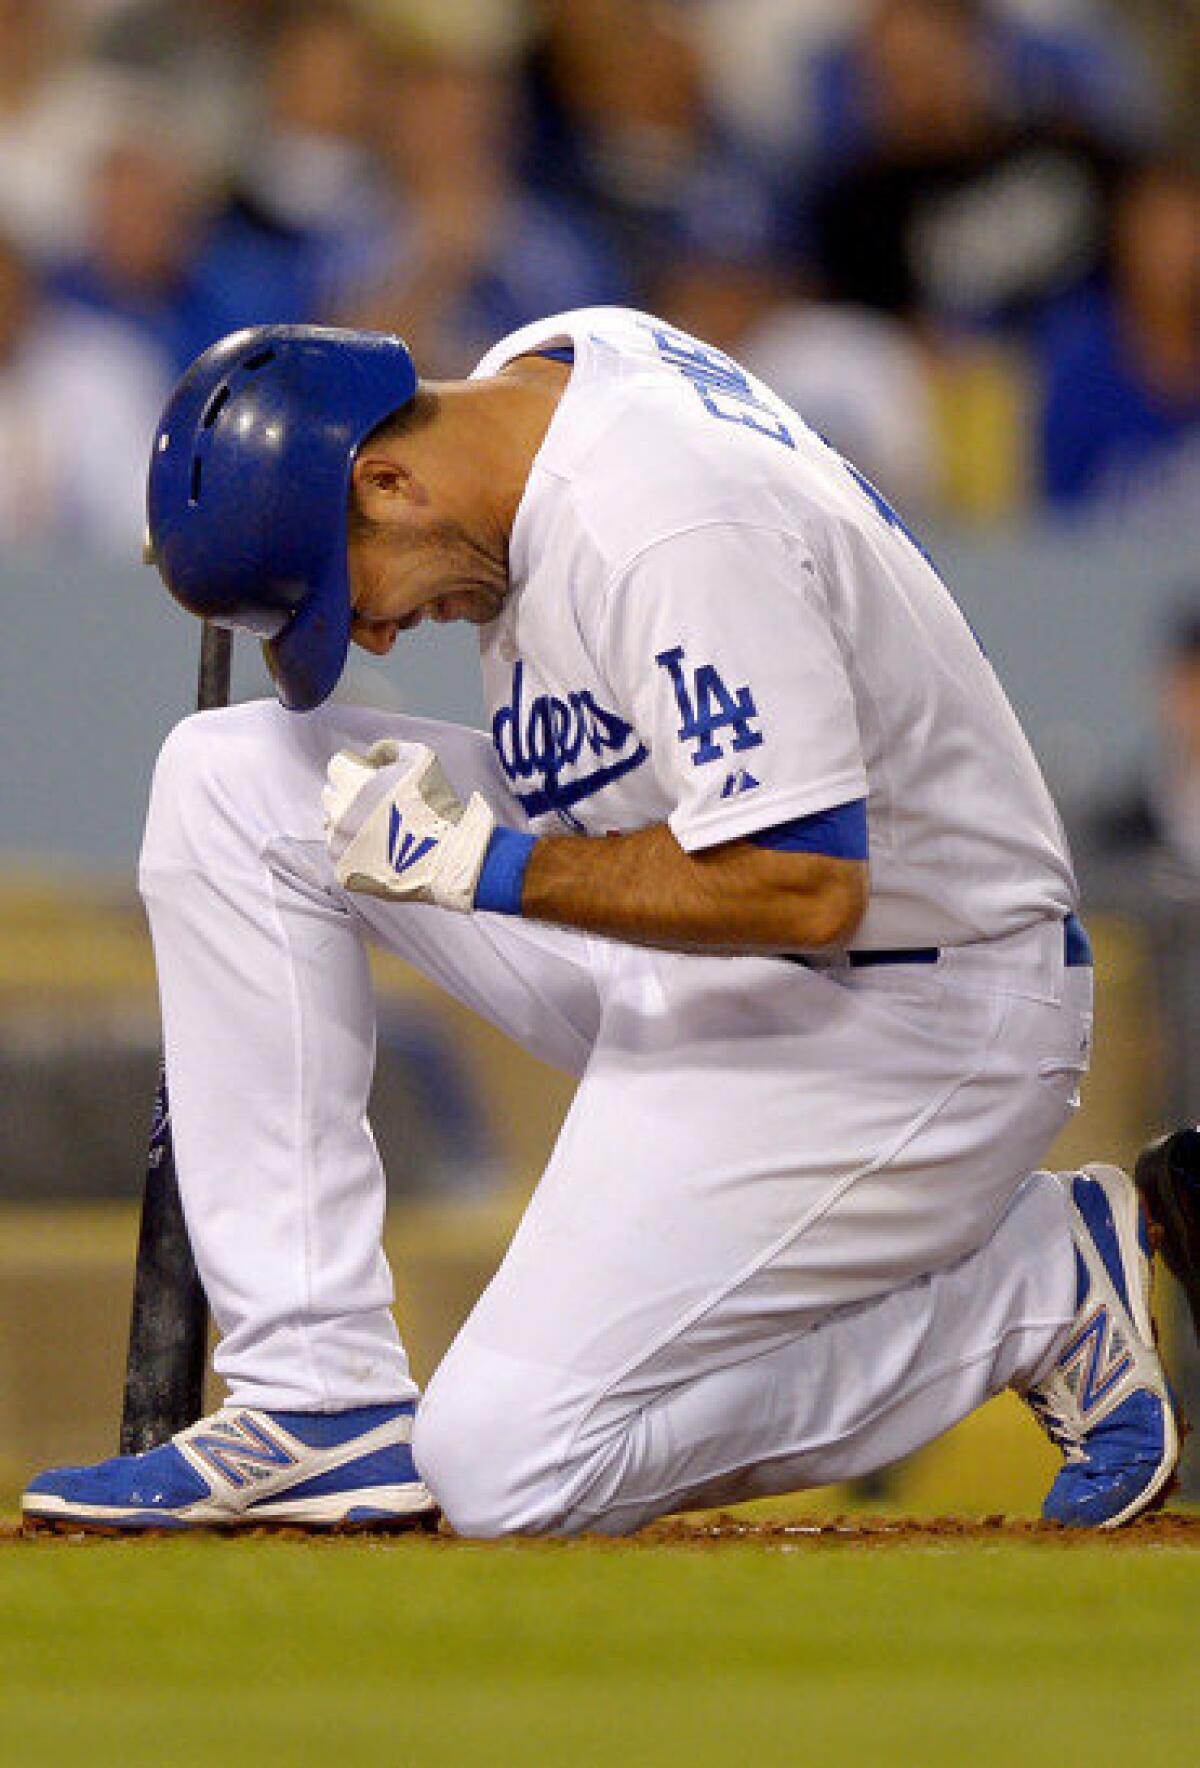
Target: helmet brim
<point x="307" y="658"/>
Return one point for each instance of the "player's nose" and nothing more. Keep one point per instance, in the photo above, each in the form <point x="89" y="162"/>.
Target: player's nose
<point x="377" y="636"/>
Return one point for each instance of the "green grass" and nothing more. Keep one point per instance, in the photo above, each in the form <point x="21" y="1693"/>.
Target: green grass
<point x="341" y="1654"/>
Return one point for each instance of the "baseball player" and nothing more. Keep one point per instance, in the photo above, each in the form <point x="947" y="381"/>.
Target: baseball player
<point x="754" y="847"/>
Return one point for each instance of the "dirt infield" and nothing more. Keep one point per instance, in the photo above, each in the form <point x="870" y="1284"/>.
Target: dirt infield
<point x="710" y="1533"/>
<point x="1168" y="1529"/>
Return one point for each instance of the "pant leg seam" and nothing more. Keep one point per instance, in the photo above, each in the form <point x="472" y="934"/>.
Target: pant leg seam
<point x="665" y="1498"/>
<point x="816" y="1213"/>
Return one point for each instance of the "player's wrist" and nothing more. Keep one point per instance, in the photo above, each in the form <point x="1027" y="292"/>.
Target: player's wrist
<point x="501" y="882"/>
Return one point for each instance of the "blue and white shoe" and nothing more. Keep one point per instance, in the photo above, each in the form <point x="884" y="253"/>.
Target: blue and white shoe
<point x="242" y="1468"/>
<point x="1106" y="1402"/>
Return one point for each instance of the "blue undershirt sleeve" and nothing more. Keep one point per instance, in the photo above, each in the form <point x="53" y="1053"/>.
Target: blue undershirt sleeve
<point x="841" y="833"/>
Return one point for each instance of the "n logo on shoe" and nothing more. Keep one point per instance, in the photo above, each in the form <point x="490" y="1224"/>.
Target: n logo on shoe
<point x="1095" y="1361"/>
<point x="241" y="1451"/>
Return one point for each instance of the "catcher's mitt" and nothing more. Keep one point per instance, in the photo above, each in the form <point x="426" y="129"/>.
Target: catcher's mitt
<point x="1167" y="1176"/>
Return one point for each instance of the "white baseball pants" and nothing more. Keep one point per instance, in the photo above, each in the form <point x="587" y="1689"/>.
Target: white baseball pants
<point x="791" y="1230"/>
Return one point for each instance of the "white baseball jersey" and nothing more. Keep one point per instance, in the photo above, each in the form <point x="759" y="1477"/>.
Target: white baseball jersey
<point x="717" y="622"/>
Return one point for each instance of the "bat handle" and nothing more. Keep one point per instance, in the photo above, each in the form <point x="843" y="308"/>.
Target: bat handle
<point x="216" y="658"/>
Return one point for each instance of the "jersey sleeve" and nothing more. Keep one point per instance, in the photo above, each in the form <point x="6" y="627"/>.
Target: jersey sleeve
<point x="719" y="642"/>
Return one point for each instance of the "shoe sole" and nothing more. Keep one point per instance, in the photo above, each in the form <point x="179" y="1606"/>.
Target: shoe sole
<point x="1167" y="1176"/>
<point x="41" y="1527"/>
<point x="374" y="1510"/>
<point x="1123" y="1202"/>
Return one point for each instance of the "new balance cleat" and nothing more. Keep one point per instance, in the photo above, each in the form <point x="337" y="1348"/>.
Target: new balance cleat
<point x="1106" y="1403"/>
<point x="242" y="1468"/>
<point x="1167" y="1176"/>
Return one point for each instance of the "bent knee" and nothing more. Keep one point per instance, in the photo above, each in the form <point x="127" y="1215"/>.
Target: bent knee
<point x="197" y="750"/>
<point x="486" y="1443"/>
<point x="471" y="1474"/>
<point x="206" y="777"/>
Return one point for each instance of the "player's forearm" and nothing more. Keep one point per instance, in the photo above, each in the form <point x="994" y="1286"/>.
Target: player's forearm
<point x="645" y="888"/>
<point x="397" y="830"/>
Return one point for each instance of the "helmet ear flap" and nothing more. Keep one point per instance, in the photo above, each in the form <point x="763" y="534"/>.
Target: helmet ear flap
<point x="249" y="485"/>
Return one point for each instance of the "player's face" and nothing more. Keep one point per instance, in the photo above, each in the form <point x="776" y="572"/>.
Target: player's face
<point x="432" y="508"/>
<point x="431" y="568"/>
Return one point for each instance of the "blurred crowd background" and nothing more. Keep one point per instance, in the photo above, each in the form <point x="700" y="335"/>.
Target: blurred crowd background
<point x="963" y="236"/>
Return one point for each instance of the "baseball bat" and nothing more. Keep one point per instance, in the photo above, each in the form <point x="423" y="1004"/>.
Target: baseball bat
<point x="168" y="1324"/>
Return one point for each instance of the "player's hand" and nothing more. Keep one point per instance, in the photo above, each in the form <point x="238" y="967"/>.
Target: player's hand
<point x="396" y="828"/>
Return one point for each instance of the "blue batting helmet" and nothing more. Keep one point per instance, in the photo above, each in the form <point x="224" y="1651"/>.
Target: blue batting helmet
<point x="249" y="482"/>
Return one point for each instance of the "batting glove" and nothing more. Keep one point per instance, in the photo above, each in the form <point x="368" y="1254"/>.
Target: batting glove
<point x="396" y="828"/>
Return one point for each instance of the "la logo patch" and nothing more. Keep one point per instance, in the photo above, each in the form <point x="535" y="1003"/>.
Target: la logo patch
<point x="707" y="705"/>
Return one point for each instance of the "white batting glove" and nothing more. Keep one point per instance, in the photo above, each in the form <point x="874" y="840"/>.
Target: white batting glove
<point x="397" y="828"/>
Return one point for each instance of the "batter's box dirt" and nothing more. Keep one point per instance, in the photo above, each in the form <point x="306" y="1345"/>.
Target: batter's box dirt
<point x="714" y="1532"/>
<point x="1168" y="1529"/>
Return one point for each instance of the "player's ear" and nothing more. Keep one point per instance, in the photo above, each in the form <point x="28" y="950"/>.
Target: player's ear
<point x="384" y="487"/>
